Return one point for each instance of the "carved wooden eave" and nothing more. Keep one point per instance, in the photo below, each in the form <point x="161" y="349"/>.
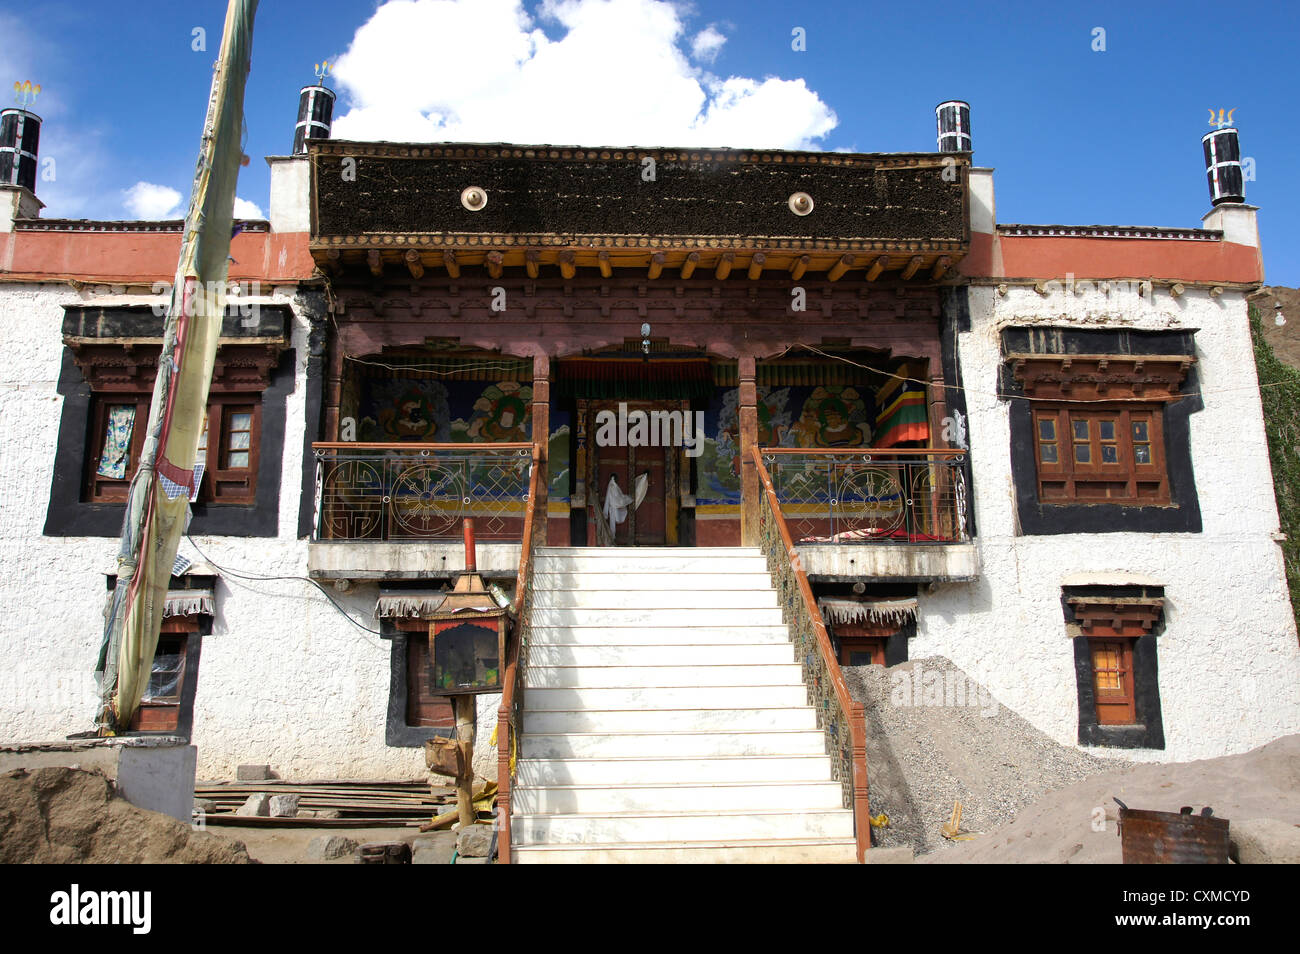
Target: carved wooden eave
<point x="898" y="215"/>
<point x="130" y="364"/>
<point x="1100" y="377"/>
<point x="1117" y="612"/>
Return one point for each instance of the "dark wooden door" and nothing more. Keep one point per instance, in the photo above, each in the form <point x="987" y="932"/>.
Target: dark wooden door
<point x="645" y="525"/>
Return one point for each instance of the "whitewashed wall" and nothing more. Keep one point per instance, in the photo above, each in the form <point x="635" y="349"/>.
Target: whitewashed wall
<point x="1228" y="660"/>
<point x="283" y="678"/>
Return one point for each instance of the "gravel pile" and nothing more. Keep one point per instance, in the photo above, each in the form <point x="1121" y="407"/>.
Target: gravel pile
<point x="935" y="736"/>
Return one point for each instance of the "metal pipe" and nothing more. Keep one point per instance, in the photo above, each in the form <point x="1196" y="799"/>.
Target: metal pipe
<point x="471" y="558"/>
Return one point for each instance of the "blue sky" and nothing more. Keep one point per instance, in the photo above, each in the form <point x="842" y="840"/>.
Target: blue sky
<point x="1078" y="136"/>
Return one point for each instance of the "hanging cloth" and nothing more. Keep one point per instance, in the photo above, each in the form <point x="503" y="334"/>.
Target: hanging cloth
<point x="616" y="504"/>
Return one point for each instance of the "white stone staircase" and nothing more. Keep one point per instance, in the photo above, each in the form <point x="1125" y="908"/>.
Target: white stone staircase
<point x="665" y="719"/>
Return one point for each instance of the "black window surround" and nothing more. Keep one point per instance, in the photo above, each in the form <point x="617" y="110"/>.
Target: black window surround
<point x="397" y="734"/>
<point x="68" y="514"/>
<point x="1182" y="515"/>
<point x="1148" y="731"/>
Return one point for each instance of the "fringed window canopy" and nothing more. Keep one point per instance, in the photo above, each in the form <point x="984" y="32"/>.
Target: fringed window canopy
<point x="408" y="603"/>
<point x="188" y="603"/>
<point x="843" y="611"/>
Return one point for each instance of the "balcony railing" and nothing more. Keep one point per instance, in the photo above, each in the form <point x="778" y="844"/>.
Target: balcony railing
<point x="866" y="496"/>
<point x="420" y="491"/>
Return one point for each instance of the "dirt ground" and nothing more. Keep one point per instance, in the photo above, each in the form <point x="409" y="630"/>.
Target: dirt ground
<point x="1065" y="826"/>
<point x="288" y="846"/>
<point x="62" y="815"/>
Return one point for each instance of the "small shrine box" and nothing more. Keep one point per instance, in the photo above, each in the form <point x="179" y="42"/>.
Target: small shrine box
<point x="467" y="640"/>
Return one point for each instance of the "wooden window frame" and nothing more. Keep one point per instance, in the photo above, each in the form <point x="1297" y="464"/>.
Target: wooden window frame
<point x="1069" y="480"/>
<point x="219" y="485"/>
<point x="1115" y="706"/>
<point x="164" y="715"/>
<point x="423" y="709"/>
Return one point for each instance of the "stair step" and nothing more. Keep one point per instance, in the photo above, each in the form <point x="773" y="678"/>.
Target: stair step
<point x="626" y="599"/>
<point x="561" y="721"/>
<point x="674" y="581"/>
<point x="680" y="561"/>
<point x="679" y="697"/>
<point x="583" y="745"/>
<point x="655" y="616"/>
<point x="745" y="768"/>
<point x="659" y="677"/>
<point x="792" y="794"/>
<point x="738" y="851"/>
<point x="599" y="634"/>
<point x="570" y="654"/>
<point x="615" y="827"/>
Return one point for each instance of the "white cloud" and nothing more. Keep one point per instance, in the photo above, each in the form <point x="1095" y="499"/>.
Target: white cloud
<point x="145" y="200"/>
<point x="248" y="210"/>
<point x="619" y="74"/>
<point x="707" y="44"/>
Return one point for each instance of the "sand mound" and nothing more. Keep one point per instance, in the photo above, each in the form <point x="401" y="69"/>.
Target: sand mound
<point x="1061" y="827"/>
<point x="61" y="815"/>
<point x="935" y="736"/>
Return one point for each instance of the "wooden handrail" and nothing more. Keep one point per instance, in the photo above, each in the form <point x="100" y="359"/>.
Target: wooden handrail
<point x="854" y="712"/>
<point x="853" y="451"/>
<point x="506" y="729"/>
<point x="481" y="446"/>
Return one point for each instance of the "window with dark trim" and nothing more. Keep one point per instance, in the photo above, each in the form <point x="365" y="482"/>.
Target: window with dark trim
<point x="1114" y="632"/>
<point x="160" y="702"/>
<point x="1100" y="429"/>
<point x="423" y="708"/>
<point x="1109" y="454"/>
<point x="229" y="463"/>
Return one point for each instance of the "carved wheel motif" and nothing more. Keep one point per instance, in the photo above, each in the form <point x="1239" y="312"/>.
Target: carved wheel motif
<point x="428" y="499"/>
<point x="870" y="499"/>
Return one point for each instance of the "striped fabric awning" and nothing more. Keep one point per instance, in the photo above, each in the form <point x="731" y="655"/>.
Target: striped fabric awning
<point x="634" y="378"/>
<point x="902" y="412"/>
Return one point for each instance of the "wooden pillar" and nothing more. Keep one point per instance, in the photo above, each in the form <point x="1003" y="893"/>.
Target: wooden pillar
<point x="333" y="388"/>
<point x="542" y="436"/>
<point x="465" y="722"/>
<point x="747" y="407"/>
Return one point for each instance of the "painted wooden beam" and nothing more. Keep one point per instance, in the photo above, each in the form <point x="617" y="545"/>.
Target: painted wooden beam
<point x="375" y="262"/>
<point x="912" y="265"/>
<point x="756" y="266"/>
<point x="723" y="268"/>
<point x="688" y="266"/>
<point x="940" y="266"/>
<point x="837" y="270"/>
<point x="878" y="266"/>
<point x="606" y="268"/>
<point x="567" y="267"/>
<point x="799" y="266"/>
<point x="413" y="264"/>
<point x="656" y="265"/>
<point x="532" y="262"/>
<point x="449" y="261"/>
<point x="493" y="261"/>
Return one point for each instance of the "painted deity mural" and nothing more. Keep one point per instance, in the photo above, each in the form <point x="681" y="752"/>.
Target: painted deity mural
<point x="823" y="416"/>
<point x="430" y="411"/>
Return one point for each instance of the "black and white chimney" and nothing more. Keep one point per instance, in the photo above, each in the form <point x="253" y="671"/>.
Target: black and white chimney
<point x="315" y="112"/>
<point x="20" y="138"/>
<point x="1223" y="165"/>
<point x="953" y="119"/>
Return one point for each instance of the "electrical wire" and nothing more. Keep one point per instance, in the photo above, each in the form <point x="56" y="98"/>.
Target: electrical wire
<point x="303" y="579"/>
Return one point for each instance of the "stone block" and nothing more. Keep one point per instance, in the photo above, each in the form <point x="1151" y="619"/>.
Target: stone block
<point x="284" y="806"/>
<point x="329" y="847"/>
<point x="257" y="805"/>
<point x="474" y="841"/>
<point x="253" y="773"/>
